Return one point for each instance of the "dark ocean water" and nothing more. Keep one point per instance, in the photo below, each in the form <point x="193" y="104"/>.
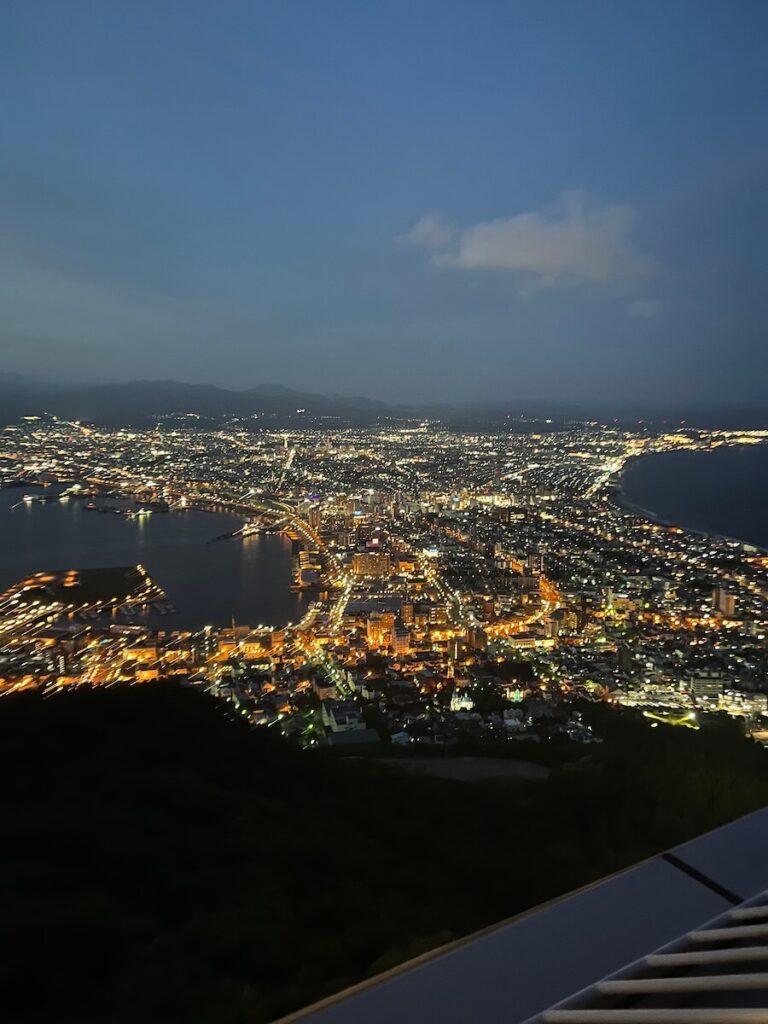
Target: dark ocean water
<point x="207" y="583"/>
<point x="723" y="491"/>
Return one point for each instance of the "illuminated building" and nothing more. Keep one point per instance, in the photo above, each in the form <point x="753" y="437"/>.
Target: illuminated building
<point x="708" y="686"/>
<point x="724" y="602"/>
<point x="535" y="563"/>
<point x="401" y="638"/>
<point x="371" y="563"/>
<point x="375" y="630"/>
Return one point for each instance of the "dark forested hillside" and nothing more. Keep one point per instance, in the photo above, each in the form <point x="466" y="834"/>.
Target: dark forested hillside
<point x="162" y="862"/>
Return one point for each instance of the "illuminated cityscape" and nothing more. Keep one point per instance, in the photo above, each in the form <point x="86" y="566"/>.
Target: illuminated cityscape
<point x="384" y="512"/>
<point x="459" y="585"/>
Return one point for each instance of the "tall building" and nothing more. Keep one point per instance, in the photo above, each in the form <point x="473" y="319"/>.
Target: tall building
<point x="373" y="630"/>
<point x="535" y="563"/>
<point x="477" y="638"/>
<point x="724" y="602"/>
<point x="401" y="638"/>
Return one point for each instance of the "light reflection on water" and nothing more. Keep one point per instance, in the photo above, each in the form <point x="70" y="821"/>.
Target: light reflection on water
<point x="208" y="583"/>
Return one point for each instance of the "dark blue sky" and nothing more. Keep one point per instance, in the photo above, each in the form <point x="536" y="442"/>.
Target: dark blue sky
<point x="404" y="200"/>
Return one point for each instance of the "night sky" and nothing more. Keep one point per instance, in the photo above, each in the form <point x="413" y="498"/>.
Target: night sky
<point x="402" y="200"/>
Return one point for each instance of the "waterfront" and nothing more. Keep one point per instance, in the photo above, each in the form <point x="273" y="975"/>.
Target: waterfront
<point x="418" y="563"/>
<point x="207" y="583"/>
<point x="723" y="491"/>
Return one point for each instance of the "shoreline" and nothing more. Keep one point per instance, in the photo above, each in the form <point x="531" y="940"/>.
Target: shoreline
<point x="183" y="619"/>
<point x="654" y="517"/>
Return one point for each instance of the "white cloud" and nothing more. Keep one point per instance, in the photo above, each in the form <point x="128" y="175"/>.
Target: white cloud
<point x="644" y="309"/>
<point x="430" y="232"/>
<point x="574" y="241"/>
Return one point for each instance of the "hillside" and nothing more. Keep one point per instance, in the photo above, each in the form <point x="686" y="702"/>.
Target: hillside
<point x="162" y="862"/>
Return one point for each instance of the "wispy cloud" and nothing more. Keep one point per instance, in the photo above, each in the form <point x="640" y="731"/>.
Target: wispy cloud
<point x="431" y="231"/>
<point x="573" y="241"/>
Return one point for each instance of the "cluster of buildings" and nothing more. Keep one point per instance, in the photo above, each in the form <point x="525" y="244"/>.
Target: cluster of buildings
<point x="462" y="585"/>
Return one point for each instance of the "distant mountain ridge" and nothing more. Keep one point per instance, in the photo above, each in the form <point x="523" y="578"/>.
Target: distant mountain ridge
<point x="140" y="402"/>
<point x="137" y="402"/>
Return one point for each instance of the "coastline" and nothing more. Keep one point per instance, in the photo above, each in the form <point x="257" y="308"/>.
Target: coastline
<point x="651" y="516"/>
<point x="196" y="578"/>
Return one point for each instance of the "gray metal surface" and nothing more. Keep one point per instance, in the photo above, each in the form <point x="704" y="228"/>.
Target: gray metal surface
<point x="734" y="856"/>
<point x="661" y="989"/>
<point x="516" y="971"/>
